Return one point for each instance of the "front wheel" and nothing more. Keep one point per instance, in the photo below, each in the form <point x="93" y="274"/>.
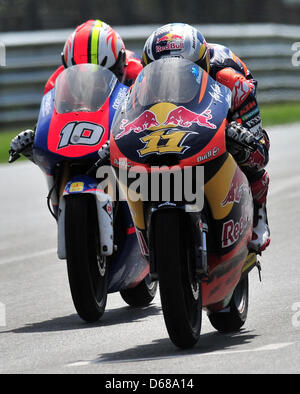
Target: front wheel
<point x="87" y="269"/>
<point x="180" y="291"/>
<point x="232" y="318"/>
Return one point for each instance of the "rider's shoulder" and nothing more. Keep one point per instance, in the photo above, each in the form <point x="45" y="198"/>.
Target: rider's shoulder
<point x="220" y="54"/>
<point x="133" y="67"/>
<point x="222" y="57"/>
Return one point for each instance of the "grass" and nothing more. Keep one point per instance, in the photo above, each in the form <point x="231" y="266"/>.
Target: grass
<point x="272" y="114"/>
<point x="276" y="114"/>
<point x="5" y="138"/>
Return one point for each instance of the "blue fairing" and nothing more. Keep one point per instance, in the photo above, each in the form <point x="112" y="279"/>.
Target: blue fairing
<point x="117" y="98"/>
<point x="128" y="264"/>
<point x="47" y="160"/>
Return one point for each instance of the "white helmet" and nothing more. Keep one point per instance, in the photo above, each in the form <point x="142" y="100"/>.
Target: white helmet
<point x="180" y="40"/>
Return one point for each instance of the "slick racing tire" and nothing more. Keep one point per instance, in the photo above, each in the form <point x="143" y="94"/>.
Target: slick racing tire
<point x="180" y="291"/>
<point x="87" y="269"/>
<point x="141" y="295"/>
<point x="232" y="318"/>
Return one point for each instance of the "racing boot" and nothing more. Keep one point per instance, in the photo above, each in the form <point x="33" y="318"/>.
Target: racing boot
<point x="261" y="232"/>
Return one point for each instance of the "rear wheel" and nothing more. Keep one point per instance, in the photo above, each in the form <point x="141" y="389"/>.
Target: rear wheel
<point x="233" y="317"/>
<point x="180" y="290"/>
<point x="87" y="269"/>
<point x="141" y="295"/>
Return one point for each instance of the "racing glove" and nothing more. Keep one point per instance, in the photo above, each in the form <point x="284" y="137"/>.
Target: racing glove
<point x="22" y="143"/>
<point x="240" y="141"/>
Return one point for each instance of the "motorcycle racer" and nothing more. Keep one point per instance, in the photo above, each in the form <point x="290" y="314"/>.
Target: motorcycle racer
<point x="92" y="42"/>
<point x="245" y="138"/>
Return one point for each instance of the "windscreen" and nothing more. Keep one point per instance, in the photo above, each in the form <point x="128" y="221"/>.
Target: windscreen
<point x="167" y="80"/>
<point x="84" y="87"/>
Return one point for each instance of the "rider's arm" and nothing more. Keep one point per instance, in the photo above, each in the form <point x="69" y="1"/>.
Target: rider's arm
<point x="245" y="111"/>
<point x="132" y="68"/>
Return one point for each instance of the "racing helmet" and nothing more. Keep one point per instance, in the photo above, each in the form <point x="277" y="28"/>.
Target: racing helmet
<point x="95" y="42"/>
<point x="179" y="40"/>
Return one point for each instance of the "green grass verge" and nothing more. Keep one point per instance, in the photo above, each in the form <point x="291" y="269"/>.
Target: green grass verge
<point x="276" y="114"/>
<point x="5" y="138"/>
<point x="272" y="114"/>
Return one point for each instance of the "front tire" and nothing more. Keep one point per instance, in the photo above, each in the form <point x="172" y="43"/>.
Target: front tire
<point x="180" y="291"/>
<point x="87" y="269"/>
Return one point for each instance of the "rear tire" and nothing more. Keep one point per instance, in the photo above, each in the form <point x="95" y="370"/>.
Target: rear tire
<point x="232" y="318"/>
<point x="140" y="296"/>
<point x="87" y="269"/>
<point x="180" y="291"/>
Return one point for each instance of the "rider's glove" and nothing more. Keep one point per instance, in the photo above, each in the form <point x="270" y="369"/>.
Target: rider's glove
<point x="22" y="143"/>
<point x="240" y="141"/>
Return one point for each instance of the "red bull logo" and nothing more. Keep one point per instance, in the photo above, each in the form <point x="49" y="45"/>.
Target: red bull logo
<point x="179" y="116"/>
<point x="256" y="159"/>
<point x="173" y="42"/>
<point x="169" y="37"/>
<point x="145" y="121"/>
<point x="235" y="191"/>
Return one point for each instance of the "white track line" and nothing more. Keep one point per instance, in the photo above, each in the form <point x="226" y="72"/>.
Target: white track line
<point x="272" y="346"/>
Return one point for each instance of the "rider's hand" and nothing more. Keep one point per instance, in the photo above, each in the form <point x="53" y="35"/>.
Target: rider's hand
<point x="22" y="143"/>
<point x="240" y="141"/>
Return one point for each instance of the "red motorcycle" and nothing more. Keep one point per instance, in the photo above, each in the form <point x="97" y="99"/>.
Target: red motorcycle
<point x="174" y="120"/>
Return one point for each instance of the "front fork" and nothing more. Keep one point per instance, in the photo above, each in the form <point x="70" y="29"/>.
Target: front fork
<point x="198" y="229"/>
<point x="87" y="185"/>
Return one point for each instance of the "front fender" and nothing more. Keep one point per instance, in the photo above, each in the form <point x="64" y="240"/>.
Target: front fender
<point x="82" y="185"/>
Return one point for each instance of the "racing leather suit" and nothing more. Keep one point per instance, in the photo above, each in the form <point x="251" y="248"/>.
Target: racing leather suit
<point x="231" y="71"/>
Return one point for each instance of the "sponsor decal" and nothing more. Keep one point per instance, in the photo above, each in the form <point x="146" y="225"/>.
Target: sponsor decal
<point x="247" y="107"/>
<point x="145" y="121"/>
<point x="254" y="121"/>
<point x="216" y="93"/>
<point x="47" y="105"/>
<point x="208" y="155"/>
<point x="235" y="191"/>
<point x="170" y="42"/>
<point x="120" y="97"/>
<point x="180" y="116"/>
<point x="76" y="187"/>
<point x="256" y="159"/>
<point x="231" y="231"/>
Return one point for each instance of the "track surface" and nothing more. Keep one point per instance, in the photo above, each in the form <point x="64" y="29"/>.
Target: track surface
<point x="41" y="332"/>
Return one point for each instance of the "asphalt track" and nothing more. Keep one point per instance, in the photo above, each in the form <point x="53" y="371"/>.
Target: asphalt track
<point x="41" y="333"/>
